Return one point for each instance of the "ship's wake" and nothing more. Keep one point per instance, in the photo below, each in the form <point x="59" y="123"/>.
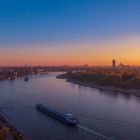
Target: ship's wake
<point x="93" y="132"/>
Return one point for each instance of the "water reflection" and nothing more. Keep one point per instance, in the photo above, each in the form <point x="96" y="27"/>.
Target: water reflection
<point x="110" y="114"/>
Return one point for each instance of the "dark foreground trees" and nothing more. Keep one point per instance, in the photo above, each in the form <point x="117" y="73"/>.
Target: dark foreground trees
<point x="129" y="79"/>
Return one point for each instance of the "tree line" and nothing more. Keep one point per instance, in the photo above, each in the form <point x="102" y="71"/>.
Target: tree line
<point x="109" y="77"/>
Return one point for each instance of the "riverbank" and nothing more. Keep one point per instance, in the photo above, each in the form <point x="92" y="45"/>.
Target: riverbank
<point x="8" y="130"/>
<point x="135" y="92"/>
<point x="11" y="73"/>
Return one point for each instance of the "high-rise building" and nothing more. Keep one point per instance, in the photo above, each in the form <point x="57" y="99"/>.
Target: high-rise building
<point x="113" y="63"/>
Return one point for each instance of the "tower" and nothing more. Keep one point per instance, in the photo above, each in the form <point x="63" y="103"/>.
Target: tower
<point x="113" y="63"/>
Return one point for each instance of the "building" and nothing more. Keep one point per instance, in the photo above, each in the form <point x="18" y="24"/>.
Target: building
<point x="113" y="63"/>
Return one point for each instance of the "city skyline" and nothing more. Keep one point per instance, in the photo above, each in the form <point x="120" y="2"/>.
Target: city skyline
<point x="69" y="32"/>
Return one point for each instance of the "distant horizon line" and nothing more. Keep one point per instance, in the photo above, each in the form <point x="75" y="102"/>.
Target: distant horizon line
<point x="131" y="65"/>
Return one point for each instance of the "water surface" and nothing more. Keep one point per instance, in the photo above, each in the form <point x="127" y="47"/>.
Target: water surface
<point x="102" y="114"/>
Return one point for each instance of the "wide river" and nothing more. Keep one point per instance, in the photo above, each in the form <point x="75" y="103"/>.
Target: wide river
<point x="103" y="115"/>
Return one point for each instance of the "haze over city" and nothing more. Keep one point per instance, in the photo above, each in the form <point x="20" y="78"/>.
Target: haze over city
<point x="70" y="32"/>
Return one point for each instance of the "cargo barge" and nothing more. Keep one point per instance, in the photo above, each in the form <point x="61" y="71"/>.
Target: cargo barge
<point x="68" y="119"/>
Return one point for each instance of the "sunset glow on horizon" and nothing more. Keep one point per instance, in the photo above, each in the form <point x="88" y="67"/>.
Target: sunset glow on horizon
<point x="71" y="33"/>
<point x="124" y="50"/>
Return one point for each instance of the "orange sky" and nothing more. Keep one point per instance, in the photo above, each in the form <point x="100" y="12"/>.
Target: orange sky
<point x="125" y="50"/>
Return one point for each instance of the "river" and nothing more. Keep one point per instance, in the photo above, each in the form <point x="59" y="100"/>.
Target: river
<point x="103" y="115"/>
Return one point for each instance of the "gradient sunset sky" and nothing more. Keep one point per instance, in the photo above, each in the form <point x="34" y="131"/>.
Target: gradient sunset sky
<point x="58" y="32"/>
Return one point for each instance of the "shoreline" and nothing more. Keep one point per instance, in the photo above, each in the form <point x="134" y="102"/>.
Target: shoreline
<point x="135" y="92"/>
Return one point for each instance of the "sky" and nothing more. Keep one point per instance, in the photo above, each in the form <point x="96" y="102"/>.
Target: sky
<point x="75" y="32"/>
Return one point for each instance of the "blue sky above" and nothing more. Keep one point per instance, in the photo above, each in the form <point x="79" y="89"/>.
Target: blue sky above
<point x="49" y="21"/>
